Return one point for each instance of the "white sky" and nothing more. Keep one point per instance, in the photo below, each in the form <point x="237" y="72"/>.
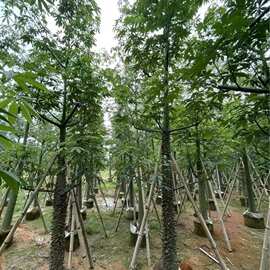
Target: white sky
<point x="105" y="40"/>
<point x="109" y="12"/>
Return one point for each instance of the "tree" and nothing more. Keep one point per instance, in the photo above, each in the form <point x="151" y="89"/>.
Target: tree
<point x="152" y="35"/>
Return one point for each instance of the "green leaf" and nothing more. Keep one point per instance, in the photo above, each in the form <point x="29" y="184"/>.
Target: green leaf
<point x="20" y="80"/>
<point x="12" y="181"/>
<point x="5" y="102"/>
<point x="5" y="141"/>
<point x="6" y="112"/>
<point x="25" y="78"/>
<point x="30" y="108"/>
<point x="4" y="119"/>
<point x="25" y="112"/>
<point x="7" y="128"/>
<point x="13" y="110"/>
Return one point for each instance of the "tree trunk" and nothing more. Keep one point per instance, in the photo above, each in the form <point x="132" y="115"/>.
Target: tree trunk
<point x="13" y="194"/>
<point x="110" y="167"/>
<point x="201" y="179"/>
<point x="248" y="184"/>
<point x="57" y="249"/>
<point x="168" y="213"/>
<point x="140" y="195"/>
<point x="169" y="255"/>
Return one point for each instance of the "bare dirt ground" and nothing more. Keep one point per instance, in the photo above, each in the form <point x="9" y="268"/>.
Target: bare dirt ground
<point x="30" y="250"/>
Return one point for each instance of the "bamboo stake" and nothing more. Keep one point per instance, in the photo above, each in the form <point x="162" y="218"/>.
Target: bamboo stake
<point x="265" y="258"/>
<point x="42" y="216"/>
<point x="181" y="206"/>
<point x="102" y="194"/>
<point x="156" y="211"/>
<point x="146" y="212"/>
<point x="44" y="200"/>
<point x="100" y="216"/>
<point x="27" y="197"/>
<point x="122" y="209"/>
<point x="219" y="193"/>
<point x="230" y="195"/>
<point x="17" y="223"/>
<point x="226" y="238"/>
<point x="199" y="215"/>
<point x="148" y="254"/>
<point x="116" y="200"/>
<point x="4" y="201"/>
<point x="262" y="194"/>
<point x="256" y="172"/>
<point x="71" y="242"/>
<point x="83" y="233"/>
<point x="209" y="256"/>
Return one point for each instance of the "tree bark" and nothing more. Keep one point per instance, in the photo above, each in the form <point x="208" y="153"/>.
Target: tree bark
<point x="13" y="194"/>
<point x="248" y="184"/>
<point x="168" y="213"/>
<point x="169" y="255"/>
<point x="57" y="249"/>
<point x="201" y="179"/>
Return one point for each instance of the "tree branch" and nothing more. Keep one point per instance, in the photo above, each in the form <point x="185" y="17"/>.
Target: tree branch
<point x="49" y="120"/>
<point x="227" y="88"/>
<point x="54" y="117"/>
<point x="158" y="123"/>
<point x="260" y="127"/>
<point x="145" y="129"/>
<point x="71" y="114"/>
<point x="259" y="153"/>
<point x="186" y="127"/>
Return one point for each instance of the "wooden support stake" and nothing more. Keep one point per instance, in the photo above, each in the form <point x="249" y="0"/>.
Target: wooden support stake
<point x="181" y="207"/>
<point x="209" y="256"/>
<point x="230" y="195"/>
<point x="156" y="211"/>
<point x="100" y="216"/>
<point x="142" y="228"/>
<point x="122" y="209"/>
<point x="148" y="253"/>
<point x="226" y="238"/>
<point x="116" y="200"/>
<point x="265" y="258"/>
<point x="42" y="216"/>
<point x="4" y="201"/>
<point x="102" y="194"/>
<point x="219" y="192"/>
<point x="200" y="217"/>
<point x="71" y="242"/>
<point x="31" y="199"/>
<point x="84" y="235"/>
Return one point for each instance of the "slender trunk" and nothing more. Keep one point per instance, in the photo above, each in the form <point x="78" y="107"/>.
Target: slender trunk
<point x="131" y="175"/>
<point x="141" y="205"/>
<point x="110" y="167"/>
<point x="169" y="255"/>
<point x="168" y="214"/>
<point x="13" y="194"/>
<point x="201" y="179"/>
<point x="248" y="184"/>
<point x="87" y="197"/>
<point x="131" y="193"/>
<point x="57" y="249"/>
<point x="79" y="193"/>
<point x="190" y="171"/>
<point x="242" y="183"/>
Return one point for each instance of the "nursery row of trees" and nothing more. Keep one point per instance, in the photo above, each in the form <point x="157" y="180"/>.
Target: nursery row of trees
<point x="184" y="84"/>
